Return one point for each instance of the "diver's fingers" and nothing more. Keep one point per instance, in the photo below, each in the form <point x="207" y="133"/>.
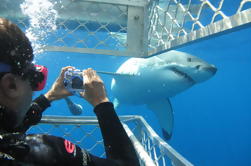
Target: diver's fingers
<point x="93" y="74"/>
<point x="94" y="88"/>
<point x="82" y="94"/>
<point x="63" y="70"/>
<point x="87" y="78"/>
<point x="90" y="73"/>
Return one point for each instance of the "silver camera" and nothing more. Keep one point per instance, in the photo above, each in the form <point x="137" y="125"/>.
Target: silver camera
<point x="73" y="81"/>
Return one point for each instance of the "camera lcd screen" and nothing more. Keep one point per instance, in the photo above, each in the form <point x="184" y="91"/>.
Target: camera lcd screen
<point x="77" y="83"/>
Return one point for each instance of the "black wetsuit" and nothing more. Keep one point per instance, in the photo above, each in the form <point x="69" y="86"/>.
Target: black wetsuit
<point x="18" y="149"/>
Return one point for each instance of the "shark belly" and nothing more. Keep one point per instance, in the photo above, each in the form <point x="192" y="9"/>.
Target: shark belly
<point x="145" y="89"/>
<point x="154" y="91"/>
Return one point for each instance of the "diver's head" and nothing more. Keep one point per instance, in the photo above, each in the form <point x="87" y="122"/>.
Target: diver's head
<point x="18" y="76"/>
<point x="15" y="47"/>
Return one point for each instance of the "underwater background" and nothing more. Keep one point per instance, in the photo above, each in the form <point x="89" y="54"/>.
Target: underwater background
<point x="212" y="120"/>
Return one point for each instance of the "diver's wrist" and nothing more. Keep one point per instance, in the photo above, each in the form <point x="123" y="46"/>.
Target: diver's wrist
<point x="49" y="96"/>
<point x="99" y="101"/>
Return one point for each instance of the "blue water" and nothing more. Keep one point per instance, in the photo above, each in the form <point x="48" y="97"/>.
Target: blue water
<point x="212" y="119"/>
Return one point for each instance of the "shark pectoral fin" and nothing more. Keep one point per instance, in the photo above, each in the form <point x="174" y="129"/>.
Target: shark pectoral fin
<point x="76" y="109"/>
<point x="164" y="112"/>
<point x="116" y="103"/>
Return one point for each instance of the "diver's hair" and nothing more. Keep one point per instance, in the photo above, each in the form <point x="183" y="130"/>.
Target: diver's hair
<point x="15" y="47"/>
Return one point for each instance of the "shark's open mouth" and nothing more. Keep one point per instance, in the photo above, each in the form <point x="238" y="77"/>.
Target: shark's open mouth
<point x="186" y="76"/>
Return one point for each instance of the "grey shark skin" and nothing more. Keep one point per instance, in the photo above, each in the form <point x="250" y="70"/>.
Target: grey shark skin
<point x="152" y="81"/>
<point x="76" y="109"/>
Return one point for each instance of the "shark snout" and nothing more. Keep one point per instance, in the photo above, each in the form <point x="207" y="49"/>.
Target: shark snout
<point x="211" y="69"/>
<point x="200" y="72"/>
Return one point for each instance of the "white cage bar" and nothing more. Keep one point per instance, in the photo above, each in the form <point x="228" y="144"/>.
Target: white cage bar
<point x="84" y="131"/>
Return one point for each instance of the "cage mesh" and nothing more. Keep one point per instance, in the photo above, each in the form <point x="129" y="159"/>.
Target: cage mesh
<point x="135" y="27"/>
<point x="179" y="18"/>
<point x="87" y="137"/>
<point x="85" y="132"/>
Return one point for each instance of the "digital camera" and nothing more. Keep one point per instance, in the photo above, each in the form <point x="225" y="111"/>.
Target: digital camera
<point x="73" y="81"/>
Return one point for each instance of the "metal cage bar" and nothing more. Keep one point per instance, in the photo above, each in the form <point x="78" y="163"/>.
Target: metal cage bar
<point x="138" y="28"/>
<point x="151" y="149"/>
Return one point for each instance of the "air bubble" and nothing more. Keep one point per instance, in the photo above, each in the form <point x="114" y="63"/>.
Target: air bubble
<point x="42" y="18"/>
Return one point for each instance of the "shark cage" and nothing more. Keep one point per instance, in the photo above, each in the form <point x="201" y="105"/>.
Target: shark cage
<point x="138" y="28"/>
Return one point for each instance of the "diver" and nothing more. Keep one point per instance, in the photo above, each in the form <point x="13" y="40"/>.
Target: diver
<point x="19" y="77"/>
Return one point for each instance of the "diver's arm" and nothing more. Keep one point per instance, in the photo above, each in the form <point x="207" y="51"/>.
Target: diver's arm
<point x="118" y="146"/>
<point x="119" y="149"/>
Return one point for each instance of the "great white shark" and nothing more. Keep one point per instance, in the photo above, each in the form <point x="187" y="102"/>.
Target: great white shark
<point x="152" y="81"/>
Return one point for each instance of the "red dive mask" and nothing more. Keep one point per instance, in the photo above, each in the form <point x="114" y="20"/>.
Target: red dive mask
<point x="44" y="71"/>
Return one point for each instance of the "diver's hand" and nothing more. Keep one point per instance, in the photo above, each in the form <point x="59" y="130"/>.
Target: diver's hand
<point x="58" y="90"/>
<point x="94" y="88"/>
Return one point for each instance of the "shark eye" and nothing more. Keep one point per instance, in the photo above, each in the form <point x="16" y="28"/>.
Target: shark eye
<point x="189" y="59"/>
